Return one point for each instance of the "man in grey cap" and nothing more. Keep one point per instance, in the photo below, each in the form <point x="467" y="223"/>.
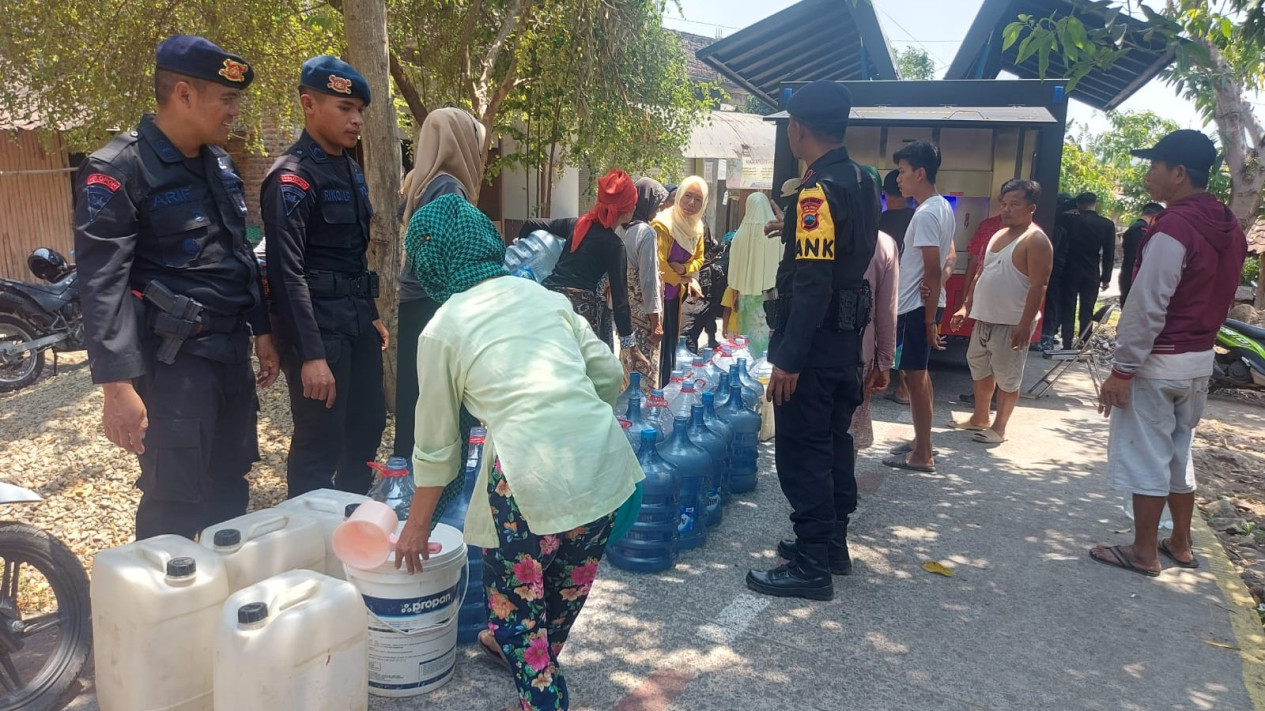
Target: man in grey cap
<point x="822" y="307"/>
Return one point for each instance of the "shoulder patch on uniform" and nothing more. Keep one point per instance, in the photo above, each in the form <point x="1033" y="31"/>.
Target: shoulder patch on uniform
<point x="292" y="179"/>
<point x="98" y="191"/>
<point x="815" y="228"/>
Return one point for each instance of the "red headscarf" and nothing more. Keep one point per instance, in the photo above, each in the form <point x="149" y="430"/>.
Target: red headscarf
<point x="616" y="195"/>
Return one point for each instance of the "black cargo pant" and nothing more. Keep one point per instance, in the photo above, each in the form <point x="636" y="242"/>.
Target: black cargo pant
<point x="814" y="452"/>
<point x="331" y="446"/>
<point x="201" y="442"/>
<point x="1085" y="288"/>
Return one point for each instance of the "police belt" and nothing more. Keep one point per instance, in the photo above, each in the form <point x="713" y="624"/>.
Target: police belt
<point x="848" y="311"/>
<point x="333" y="285"/>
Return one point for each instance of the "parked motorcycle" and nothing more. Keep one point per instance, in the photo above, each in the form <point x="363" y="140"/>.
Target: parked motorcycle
<point x="1240" y="356"/>
<point x="45" y="623"/>
<point x="35" y="318"/>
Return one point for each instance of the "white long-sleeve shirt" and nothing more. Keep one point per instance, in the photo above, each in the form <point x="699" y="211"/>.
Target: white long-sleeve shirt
<point x="1164" y="260"/>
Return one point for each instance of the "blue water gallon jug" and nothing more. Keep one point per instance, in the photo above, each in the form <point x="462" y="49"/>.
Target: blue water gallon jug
<point x="534" y="256"/>
<point x="722" y="428"/>
<point x="750" y="396"/>
<point x="695" y="465"/>
<point x="749" y="381"/>
<point x="637" y="421"/>
<point x="702" y="436"/>
<point x="473" y="616"/>
<point x="720" y="389"/>
<point x="633" y="390"/>
<point x="746" y="427"/>
<point x="650" y="546"/>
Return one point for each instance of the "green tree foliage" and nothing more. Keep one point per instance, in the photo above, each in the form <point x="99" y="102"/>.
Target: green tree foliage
<point x="88" y="65"/>
<point x="915" y="63"/>
<point x="575" y="82"/>
<point x="1218" y="52"/>
<point x="1082" y="171"/>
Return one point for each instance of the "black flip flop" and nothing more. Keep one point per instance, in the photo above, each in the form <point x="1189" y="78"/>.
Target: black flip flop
<point x="1123" y="562"/>
<point x="1168" y="553"/>
<point x="494" y="655"/>
<point x="899" y="462"/>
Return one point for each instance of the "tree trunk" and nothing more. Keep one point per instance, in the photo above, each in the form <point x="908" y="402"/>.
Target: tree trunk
<point x="365" y="24"/>
<point x="1242" y="142"/>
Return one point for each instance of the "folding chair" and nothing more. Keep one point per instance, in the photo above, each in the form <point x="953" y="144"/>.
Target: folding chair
<point x="1086" y="348"/>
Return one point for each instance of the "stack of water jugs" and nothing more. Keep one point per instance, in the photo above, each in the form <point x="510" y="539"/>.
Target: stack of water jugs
<point x="261" y="614"/>
<point x="697" y="443"/>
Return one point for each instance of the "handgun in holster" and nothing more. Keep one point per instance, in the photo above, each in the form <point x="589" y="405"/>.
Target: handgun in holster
<point x="178" y="318"/>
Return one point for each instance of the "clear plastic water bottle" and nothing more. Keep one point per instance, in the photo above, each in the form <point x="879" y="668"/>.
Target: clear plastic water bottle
<point x="762" y="369"/>
<point x="683" y="353"/>
<point x="699" y="374"/>
<point x="657" y="412"/>
<point x="393" y="486"/>
<point x="724" y="358"/>
<point x="740" y="349"/>
<point x="685" y="401"/>
<point x="534" y="256"/>
<point x="673" y="388"/>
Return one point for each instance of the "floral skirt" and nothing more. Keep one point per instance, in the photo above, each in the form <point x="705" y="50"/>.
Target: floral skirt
<point x="536" y="586"/>
<point x="590" y="305"/>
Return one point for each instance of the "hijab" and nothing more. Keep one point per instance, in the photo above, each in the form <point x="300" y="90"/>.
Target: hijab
<point x="616" y="195"/>
<point x="452" y="246"/>
<point x="753" y="258"/>
<point x="685" y="230"/>
<point x="650" y="196"/>
<point x="449" y="142"/>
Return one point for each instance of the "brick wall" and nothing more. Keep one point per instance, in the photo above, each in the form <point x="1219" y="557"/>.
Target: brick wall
<point x="253" y="166"/>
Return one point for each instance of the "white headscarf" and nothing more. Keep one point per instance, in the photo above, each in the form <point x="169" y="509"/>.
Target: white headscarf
<point x="753" y="258"/>
<point x="685" y="229"/>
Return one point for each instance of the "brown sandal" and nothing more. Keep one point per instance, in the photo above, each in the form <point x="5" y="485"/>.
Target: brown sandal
<point x="493" y="653"/>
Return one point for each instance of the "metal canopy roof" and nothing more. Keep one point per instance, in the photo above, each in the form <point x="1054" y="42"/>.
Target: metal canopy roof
<point x="981" y="55"/>
<point x="887" y="115"/>
<point x="814" y="39"/>
<point x="732" y="135"/>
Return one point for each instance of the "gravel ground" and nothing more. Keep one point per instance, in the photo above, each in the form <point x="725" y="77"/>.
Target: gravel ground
<point x="51" y="441"/>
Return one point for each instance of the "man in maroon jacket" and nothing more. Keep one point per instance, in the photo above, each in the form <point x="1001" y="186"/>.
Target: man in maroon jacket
<point x="1184" y="281"/>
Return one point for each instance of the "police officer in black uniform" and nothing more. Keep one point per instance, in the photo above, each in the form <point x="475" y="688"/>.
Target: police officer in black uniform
<point x="171" y="294"/>
<point x="316" y="212"/>
<point x="822" y="307"/>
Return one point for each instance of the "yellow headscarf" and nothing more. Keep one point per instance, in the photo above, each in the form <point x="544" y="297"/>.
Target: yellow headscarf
<point x="450" y="141"/>
<point x="685" y="230"/>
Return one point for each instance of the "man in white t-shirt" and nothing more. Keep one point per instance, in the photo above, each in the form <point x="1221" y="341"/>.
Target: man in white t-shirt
<point x="925" y="266"/>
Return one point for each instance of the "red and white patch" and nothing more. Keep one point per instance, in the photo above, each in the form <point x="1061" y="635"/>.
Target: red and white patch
<point x="292" y="179"/>
<point x="103" y="180"/>
<point x="234" y="71"/>
<point x="340" y="84"/>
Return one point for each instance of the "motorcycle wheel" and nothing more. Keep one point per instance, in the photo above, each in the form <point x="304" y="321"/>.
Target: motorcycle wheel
<point x="17" y="372"/>
<point x="42" y="650"/>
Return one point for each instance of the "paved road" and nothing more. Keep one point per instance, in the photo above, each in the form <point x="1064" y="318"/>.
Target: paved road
<point x="1028" y="621"/>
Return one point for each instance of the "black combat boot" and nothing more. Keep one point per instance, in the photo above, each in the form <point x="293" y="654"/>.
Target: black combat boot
<point x="840" y="561"/>
<point x="806" y="576"/>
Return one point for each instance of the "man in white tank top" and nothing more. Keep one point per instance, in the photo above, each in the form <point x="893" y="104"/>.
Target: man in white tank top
<point x="1004" y="302"/>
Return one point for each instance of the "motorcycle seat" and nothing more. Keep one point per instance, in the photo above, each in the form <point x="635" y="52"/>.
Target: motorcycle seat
<point x="51" y="289"/>
<point x="1247" y="329"/>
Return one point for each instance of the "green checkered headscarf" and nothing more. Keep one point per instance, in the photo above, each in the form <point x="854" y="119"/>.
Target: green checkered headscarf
<point x="452" y="246"/>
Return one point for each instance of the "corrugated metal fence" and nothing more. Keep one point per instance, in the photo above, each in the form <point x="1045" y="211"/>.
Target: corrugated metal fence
<point x="35" y="202"/>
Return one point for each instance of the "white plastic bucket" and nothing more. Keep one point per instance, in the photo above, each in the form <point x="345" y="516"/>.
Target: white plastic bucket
<point x="413" y="618"/>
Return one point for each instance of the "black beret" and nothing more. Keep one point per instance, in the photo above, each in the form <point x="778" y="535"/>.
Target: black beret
<point x="201" y="58"/>
<point x="333" y="76"/>
<point x="821" y="104"/>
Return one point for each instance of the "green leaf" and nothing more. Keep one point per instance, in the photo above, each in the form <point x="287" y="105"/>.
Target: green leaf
<point x="1027" y="47"/>
<point x="1076" y="29"/>
<point x="1043" y="61"/>
<point x="1227" y="27"/>
<point x="1011" y="34"/>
